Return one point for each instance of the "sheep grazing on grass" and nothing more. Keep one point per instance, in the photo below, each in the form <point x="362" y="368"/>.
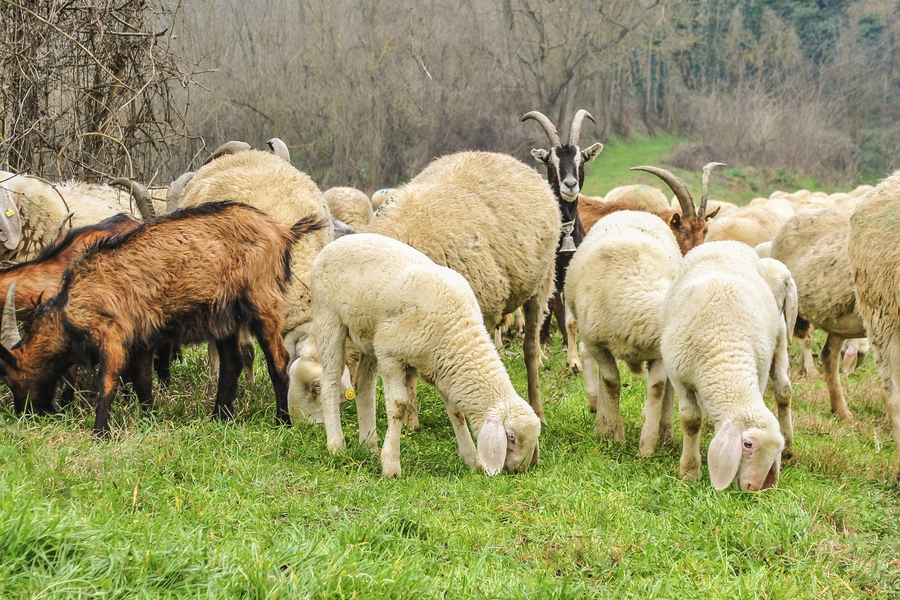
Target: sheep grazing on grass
<point x="616" y="285"/>
<point x="410" y="316"/>
<point x="724" y="332"/>
<point x="874" y="253"/>
<point x="813" y="245"/>
<point x="565" y="172"/>
<point x="272" y="185"/>
<point x="196" y="275"/>
<point x="495" y="221"/>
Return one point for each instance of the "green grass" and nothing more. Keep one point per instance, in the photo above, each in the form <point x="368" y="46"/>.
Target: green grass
<point x="612" y="168"/>
<point x="177" y="505"/>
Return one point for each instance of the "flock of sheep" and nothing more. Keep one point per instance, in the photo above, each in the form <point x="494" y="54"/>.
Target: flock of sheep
<point x="338" y="287"/>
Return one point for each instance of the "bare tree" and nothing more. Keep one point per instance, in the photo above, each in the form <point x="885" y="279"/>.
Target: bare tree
<point x="91" y="88"/>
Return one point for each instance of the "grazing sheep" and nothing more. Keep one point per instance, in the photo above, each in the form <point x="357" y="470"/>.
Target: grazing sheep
<point x="813" y="245"/>
<point x="272" y="185"/>
<point x="410" y="316"/>
<point x="349" y="206"/>
<point x="565" y="172"/>
<point x="874" y="252"/>
<point x="617" y="282"/>
<point x="724" y="332"/>
<point x="495" y="221"/>
<point x="380" y="197"/>
<point x="199" y="274"/>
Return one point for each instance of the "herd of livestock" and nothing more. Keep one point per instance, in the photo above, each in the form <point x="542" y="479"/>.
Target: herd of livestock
<point x="418" y="281"/>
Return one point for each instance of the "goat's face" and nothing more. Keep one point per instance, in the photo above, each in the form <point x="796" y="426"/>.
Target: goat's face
<point x="565" y="167"/>
<point x="689" y="233"/>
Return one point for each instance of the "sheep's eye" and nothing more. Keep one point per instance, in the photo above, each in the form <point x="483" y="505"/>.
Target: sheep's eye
<point x="748" y="444"/>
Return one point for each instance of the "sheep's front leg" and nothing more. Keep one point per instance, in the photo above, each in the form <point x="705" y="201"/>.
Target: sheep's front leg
<point x="467" y="450"/>
<point x="572" y="357"/>
<point x="591" y="381"/>
<point x="609" y="418"/>
<point x="889" y="359"/>
<point x="657" y="384"/>
<point x="393" y="376"/>
<point x="831" y="356"/>
<point x="691" y="418"/>
<point x="366" y="372"/>
<point x="779" y="374"/>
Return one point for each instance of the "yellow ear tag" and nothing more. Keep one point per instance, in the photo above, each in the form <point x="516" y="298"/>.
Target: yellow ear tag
<point x="350" y="394"/>
<point x="10" y="212"/>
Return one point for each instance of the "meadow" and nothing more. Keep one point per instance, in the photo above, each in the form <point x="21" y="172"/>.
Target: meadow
<point x="177" y="505"/>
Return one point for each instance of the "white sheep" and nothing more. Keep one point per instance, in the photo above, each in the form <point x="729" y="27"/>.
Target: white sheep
<point x="645" y="195"/>
<point x="724" y="332"/>
<point x="614" y="290"/>
<point x="380" y="197"/>
<point x="494" y="220"/>
<point x="349" y="206"/>
<point x="274" y="186"/>
<point x="752" y="225"/>
<point x="813" y="245"/>
<point x="40" y="208"/>
<point x="874" y="253"/>
<point x="408" y="315"/>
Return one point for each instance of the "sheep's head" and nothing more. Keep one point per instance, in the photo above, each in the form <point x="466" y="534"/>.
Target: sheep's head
<point x="689" y="226"/>
<point x="305" y="384"/>
<point x="751" y="457"/>
<point x="508" y="438"/>
<point x="565" y="163"/>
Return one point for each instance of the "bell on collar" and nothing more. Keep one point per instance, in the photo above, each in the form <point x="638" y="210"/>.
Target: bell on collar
<point x="568" y="244"/>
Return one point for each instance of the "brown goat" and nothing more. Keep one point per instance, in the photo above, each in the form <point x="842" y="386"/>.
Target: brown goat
<point x="198" y="274"/>
<point x="689" y="226"/>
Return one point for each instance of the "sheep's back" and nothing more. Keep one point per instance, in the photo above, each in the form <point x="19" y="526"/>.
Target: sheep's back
<point x="287" y="195"/>
<point x="813" y="246"/>
<point x="349" y="205"/>
<point x="874" y="254"/>
<point x="487" y="216"/>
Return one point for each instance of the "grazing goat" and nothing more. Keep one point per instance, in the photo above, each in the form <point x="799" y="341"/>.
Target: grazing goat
<point x="198" y="274"/>
<point x="565" y="174"/>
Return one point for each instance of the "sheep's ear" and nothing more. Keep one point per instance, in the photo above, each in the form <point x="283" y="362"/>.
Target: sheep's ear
<point x="492" y="446"/>
<point x="540" y="155"/>
<point x="724" y="455"/>
<point x="791" y="304"/>
<point x="590" y="153"/>
<point x="712" y="213"/>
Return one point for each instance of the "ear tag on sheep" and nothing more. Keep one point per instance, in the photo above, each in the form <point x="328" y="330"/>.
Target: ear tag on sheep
<point x="10" y="222"/>
<point x="350" y="394"/>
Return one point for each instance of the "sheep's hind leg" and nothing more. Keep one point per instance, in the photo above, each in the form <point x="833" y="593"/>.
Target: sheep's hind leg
<point x="366" y="372"/>
<point x="393" y="376"/>
<point x="412" y="415"/>
<point x="831" y="356"/>
<point x="532" y="351"/>
<point x="889" y="359"/>
<point x="691" y="418"/>
<point x="591" y="381"/>
<point x="609" y="418"/>
<point x="657" y="387"/>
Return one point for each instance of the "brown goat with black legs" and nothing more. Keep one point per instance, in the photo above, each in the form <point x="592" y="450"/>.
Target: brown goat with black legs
<point x="198" y="274"/>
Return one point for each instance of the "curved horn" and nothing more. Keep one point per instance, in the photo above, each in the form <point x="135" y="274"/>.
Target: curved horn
<point x="677" y="186"/>
<point x="232" y="147"/>
<point x="706" y="171"/>
<point x="176" y="188"/>
<point x="575" y="131"/>
<point x="549" y="128"/>
<point x="279" y="149"/>
<point x="9" y="330"/>
<point x="141" y="196"/>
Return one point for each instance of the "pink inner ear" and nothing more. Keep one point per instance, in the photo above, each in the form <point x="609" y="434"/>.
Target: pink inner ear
<point x="724" y="456"/>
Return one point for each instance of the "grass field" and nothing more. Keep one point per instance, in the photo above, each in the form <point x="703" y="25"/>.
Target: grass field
<point x="612" y="168"/>
<point x="177" y="505"/>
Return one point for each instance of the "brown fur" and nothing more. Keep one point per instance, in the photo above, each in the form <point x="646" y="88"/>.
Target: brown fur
<point x="688" y="232"/>
<point x="198" y="274"/>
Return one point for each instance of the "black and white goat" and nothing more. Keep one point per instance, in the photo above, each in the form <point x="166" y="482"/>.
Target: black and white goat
<point x="565" y="174"/>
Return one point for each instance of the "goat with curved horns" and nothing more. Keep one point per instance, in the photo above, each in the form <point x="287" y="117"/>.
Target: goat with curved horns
<point x="565" y="174"/>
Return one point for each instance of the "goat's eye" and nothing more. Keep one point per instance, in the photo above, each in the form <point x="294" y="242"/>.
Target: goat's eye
<point x="748" y="444"/>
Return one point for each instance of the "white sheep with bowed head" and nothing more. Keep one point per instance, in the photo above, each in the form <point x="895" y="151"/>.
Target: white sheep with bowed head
<point x="725" y="324"/>
<point x="409" y="316"/>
